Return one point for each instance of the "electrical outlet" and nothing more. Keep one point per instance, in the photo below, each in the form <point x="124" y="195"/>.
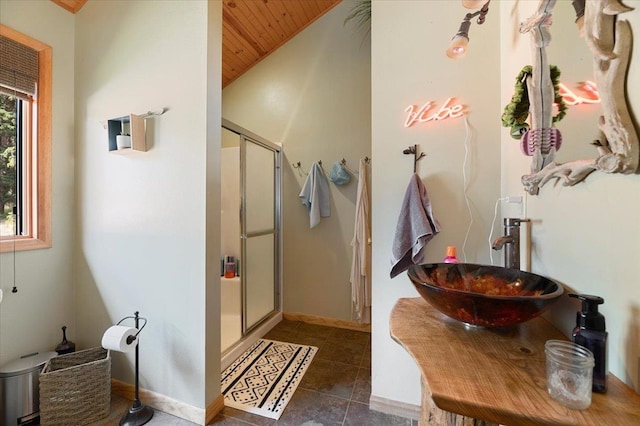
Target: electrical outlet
<point x="517" y="199"/>
<point x="0" y="296"/>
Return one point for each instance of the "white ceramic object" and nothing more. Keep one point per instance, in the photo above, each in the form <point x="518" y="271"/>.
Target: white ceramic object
<point x="123" y="141"/>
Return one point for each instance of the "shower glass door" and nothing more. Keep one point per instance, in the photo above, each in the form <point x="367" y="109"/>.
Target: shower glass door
<point x="259" y="234"/>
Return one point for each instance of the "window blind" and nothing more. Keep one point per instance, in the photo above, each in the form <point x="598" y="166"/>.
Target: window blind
<point x="18" y="68"/>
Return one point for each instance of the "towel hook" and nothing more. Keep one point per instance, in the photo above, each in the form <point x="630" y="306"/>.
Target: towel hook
<point x="414" y="150"/>
<point x="343" y="163"/>
<point x="298" y="166"/>
<point x="367" y="160"/>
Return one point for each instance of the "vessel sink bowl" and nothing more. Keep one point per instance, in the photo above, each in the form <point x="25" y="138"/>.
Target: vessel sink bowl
<point x="483" y="295"/>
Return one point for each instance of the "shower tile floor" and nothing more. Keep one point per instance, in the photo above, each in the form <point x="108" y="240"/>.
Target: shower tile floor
<point x="335" y="389"/>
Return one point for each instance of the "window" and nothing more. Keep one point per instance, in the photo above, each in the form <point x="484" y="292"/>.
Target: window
<point x="15" y="115"/>
<point x="25" y="142"/>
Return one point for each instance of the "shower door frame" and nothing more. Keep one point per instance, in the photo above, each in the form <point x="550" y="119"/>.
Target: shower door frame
<point x="247" y="136"/>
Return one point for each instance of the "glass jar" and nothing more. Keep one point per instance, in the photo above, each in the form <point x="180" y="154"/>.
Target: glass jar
<point x="569" y="373"/>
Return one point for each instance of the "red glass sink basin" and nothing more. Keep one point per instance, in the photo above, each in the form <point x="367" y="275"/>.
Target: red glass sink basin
<point x="483" y="295"/>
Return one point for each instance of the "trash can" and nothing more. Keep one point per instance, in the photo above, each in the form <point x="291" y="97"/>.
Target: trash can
<point x="19" y="389"/>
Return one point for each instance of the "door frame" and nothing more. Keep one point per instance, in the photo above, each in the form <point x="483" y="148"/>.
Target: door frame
<point x="246" y="135"/>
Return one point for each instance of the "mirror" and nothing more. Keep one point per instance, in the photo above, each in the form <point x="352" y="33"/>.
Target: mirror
<point x="569" y="52"/>
<point x="616" y="146"/>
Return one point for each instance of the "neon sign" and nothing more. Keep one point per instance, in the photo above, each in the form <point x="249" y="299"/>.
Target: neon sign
<point x="449" y="109"/>
<point x="424" y="113"/>
<point x="572" y="98"/>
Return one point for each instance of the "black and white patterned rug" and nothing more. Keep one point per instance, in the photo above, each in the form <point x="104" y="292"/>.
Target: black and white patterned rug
<point x="263" y="379"/>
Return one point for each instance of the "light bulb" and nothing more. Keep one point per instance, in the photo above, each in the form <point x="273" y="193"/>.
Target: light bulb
<point x="458" y="47"/>
<point x="473" y="4"/>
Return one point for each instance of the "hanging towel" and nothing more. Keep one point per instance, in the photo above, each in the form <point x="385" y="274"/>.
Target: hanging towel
<point x="361" y="262"/>
<point x="416" y="227"/>
<point x="339" y="174"/>
<point x="315" y="195"/>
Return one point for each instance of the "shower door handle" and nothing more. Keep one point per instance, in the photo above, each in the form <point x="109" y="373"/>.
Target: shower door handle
<point x="258" y="233"/>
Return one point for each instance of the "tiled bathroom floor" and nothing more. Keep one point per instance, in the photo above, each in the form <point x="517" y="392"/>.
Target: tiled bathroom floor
<point x="335" y="389"/>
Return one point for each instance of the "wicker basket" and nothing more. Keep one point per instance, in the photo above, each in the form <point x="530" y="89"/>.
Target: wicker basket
<point x="75" y="389"/>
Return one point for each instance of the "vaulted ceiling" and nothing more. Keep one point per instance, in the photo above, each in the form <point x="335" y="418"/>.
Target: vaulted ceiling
<point x="71" y="5"/>
<point x="252" y="29"/>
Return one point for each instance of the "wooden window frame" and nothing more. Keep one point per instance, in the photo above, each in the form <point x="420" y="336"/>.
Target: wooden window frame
<point x="39" y="191"/>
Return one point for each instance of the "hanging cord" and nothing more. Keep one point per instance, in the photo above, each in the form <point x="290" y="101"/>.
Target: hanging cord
<point x="467" y="143"/>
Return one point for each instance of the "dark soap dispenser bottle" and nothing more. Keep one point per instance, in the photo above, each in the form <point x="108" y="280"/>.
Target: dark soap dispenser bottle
<point x="590" y="332"/>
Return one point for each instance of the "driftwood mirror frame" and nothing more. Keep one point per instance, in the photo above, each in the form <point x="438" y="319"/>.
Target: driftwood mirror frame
<point x="610" y="40"/>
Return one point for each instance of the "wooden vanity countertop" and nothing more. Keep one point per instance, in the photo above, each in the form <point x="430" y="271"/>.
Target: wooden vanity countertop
<point x="498" y="375"/>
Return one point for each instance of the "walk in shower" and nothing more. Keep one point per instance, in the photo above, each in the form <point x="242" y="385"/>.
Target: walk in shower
<point x="250" y="266"/>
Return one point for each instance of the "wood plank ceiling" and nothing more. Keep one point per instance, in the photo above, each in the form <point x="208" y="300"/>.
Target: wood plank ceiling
<point x="72" y="6"/>
<point x="252" y="29"/>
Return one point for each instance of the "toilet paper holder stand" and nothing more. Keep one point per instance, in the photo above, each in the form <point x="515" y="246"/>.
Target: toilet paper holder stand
<point x="138" y="414"/>
<point x="136" y="317"/>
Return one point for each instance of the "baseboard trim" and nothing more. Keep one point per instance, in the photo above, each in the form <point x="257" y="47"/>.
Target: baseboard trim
<point x="165" y="403"/>
<point x="213" y="409"/>
<point x="331" y="322"/>
<point x="396" y="408"/>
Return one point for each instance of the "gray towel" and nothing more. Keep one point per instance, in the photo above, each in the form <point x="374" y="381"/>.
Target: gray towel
<point x="315" y="195"/>
<point x="416" y="227"/>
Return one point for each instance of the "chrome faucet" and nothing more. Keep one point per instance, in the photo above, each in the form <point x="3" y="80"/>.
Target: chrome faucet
<point x="510" y="241"/>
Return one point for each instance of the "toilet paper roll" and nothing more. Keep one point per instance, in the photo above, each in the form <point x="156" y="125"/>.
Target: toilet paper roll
<point x="115" y="338"/>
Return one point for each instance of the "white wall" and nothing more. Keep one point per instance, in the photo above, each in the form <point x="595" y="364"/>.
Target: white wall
<point x="409" y="66"/>
<point x="586" y="236"/>
<point x="144" y="242"/>
<point x="212" y="205"/>
<point x="313" y="96"/>
<point x="30" y="320"/>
